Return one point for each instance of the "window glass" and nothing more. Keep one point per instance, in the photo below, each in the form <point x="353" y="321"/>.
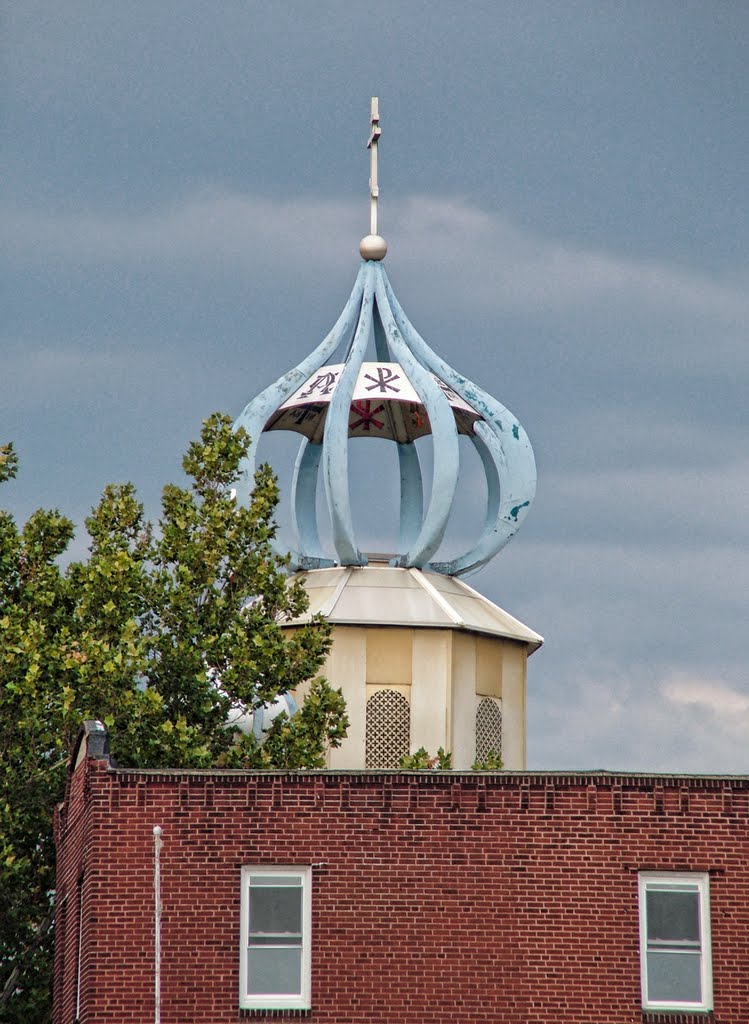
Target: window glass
<point x="275" y="880"/>
<point x="275" y="911"/>
<point x="673" y="916"/>
<point x="274" y="970"/>
<point x="674" y="977"/>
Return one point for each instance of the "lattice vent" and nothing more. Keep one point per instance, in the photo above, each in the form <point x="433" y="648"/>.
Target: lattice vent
<point x="388" y="729"/>
<point x="488" y="728"/>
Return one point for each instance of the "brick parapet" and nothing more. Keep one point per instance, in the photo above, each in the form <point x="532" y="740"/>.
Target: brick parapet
<point x="508" y="897"/>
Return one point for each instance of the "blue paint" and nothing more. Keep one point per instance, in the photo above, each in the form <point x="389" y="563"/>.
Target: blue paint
<point x="514" y="512"/>
<point x="510" y="472"/>
<point x="444" y="432"/>
<point x="335" y="438"/>
<point x="411" y="495"/>
<point x="304" y="503"/>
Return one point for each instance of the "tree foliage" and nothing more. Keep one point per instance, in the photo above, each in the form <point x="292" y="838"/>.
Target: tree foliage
<point x="491" y="763"/>
<point x="421" y="759"/>
<point x="164" y="635"/>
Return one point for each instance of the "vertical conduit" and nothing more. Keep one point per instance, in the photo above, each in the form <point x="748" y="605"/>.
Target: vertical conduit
<point x="157" y="832"/>
<point x="79" y="967"/>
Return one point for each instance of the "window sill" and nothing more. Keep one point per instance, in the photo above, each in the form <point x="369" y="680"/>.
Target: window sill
<point x="257" y="1012"/>
<point x="678" y="1016"/>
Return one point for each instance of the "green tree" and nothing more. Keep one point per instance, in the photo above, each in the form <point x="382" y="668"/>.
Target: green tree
<point x="164" y="635"/>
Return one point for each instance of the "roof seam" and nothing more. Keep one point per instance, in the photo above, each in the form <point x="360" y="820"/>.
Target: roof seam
<point x="472" y="593"/>
<point x="435" y="594"/>
<point x="327" y="609"/>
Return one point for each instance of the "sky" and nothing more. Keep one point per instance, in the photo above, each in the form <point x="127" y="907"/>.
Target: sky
<point x="563" y="192"/>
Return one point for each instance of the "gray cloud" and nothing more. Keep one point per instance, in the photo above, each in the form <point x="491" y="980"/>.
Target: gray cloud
<point x="474" y="257"/>
<point x="673" y="722"/>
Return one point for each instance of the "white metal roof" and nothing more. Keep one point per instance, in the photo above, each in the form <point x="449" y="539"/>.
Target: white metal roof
<point x="381" y="595"/>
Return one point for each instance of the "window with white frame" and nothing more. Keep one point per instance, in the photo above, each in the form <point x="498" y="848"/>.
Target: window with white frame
<point x="675" y="941"/>
<point x="274" y="970"/>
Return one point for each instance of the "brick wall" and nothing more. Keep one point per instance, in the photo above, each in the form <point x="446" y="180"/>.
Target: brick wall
<point x="436" y="897"/>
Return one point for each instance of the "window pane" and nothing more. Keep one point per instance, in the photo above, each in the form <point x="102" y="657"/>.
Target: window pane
<point x="673" y="916"/>
<point x="275" y="880"/>
<point x="276" y="911"/>
<point x="674" y="977"/>
<point x="274" y="971"/>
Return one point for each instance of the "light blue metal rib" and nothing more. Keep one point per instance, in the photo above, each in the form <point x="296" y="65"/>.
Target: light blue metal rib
<point x="304" y="506"/>
<point x="257" y="412"/>
<point x="381" y="345"/>
<point x="411" y="495"/>
<point x="335" y="436"/>
<point x="487" y="445"/>
<point x="444" y="435"/>
<point x="506" y="440"/>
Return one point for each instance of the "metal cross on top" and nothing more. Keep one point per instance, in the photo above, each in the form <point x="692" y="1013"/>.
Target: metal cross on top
<point x="374" y="137"/>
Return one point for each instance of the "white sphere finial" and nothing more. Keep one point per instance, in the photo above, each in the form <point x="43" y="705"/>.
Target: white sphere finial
<point x="373" y="247"/>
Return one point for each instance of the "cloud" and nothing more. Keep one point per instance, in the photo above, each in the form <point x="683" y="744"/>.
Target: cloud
<point x="673" y="720"/>
<point x="634" y="562"/>
<point x="509" y="267"/>
<point x="638" y="434"/>
<point x="55" y="371"/>
<point x="628" y="625"/>
<point x="243" y="232"/>
<point x="673" y="505"/>
<point x="526" y="269"/>
<point x="710" y="695"/>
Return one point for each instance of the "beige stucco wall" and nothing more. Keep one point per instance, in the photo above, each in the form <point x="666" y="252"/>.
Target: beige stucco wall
<point x="443" y="674"/>
<point x="463" y="710"/>
<point x="345" y="667"/>
<point x="514" y="662"/>
<point x="430" y="692"/>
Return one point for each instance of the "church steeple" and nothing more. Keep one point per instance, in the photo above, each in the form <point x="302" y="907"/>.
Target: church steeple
<point x="405" y="393"/>
<point x="422" y="659"/>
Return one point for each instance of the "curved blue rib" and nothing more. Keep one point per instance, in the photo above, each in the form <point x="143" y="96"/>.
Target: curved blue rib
<point x="472" y="558"/>
<point x="444" y="434"/>
<point x="304" y="506"/>
<point x="381" y="344"/>
<point x="488" y="446"/>
<point x="335" y="436"/>
<point x="507" y="442"/>
<point x="412" y="495"/>
<point x="257" y="412"/>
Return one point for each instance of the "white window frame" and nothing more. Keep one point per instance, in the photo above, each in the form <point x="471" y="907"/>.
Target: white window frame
<point x="696" y="882"/>
<point x="275" y="1001"/>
